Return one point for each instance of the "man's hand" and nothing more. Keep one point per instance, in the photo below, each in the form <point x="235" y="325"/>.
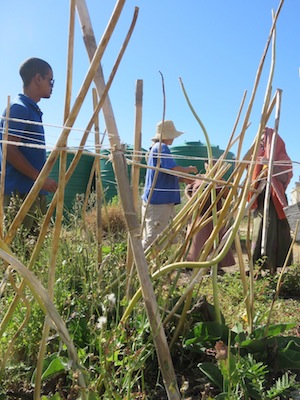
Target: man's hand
<point x="50" y="185"/>
<point x="192" y="169"/>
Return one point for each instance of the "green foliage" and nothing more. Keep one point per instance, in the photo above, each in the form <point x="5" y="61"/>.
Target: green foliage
<point x="242" y="369"/>
<point x="291" y="282"/>
<point x="244" y="378"/>
<point x="237" y="377"/>
<point x="52" y="365"/>
<point x="205" y="334"/>
<point x="119" y="359"/>
<point x="283" y="386"/>
<point x="91" y="302"/>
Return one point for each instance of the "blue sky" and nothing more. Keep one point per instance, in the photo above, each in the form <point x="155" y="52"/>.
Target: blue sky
<point x="214" y="46"/>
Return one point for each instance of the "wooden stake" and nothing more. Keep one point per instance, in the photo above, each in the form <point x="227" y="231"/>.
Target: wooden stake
<point x="60" y="205"/>
<point x="135" y="169"/>
<point x="98" y="182"/>
<point x="3" y="166"/>
<point x="126" y="197"/>
<point x="70" y="60"/>
<point x="90" y="44"/>
<point x="270" y="173"/>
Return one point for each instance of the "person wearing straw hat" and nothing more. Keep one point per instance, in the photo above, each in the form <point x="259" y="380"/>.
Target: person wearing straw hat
<point x="26" y="153"/>
<point x="161" y="191"/>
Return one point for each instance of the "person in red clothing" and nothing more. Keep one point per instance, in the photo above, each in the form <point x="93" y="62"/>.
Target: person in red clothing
<point x="200" y="238"/>
<point x="278" y="229"/>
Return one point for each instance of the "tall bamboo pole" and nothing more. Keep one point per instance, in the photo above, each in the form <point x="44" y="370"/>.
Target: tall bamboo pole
<point x="3" y="166"/>
<point x="59" y="207"/>
<point x="98" y="182"/>
<point x="135" y="169"/>
<point x="256" y="82"/>
<point x="52" y="268"/>
<point x="70" y="60"/>
<point x="90" y="44"/>
<point x="120" y="168"/>
<point x="264" y="237"/>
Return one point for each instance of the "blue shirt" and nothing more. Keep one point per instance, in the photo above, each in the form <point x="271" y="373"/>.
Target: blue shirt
<point x="166" y="189"/>
<point x="24" y="108"/>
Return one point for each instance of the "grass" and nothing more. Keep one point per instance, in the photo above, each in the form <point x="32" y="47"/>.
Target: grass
<point x="119" y="358"/>
<point x="287" y="307"/>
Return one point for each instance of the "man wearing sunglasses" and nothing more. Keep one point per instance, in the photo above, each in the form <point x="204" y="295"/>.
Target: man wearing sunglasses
<point x="26" y="152"/>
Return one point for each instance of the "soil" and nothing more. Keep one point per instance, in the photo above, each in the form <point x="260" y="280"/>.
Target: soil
<point x="235" y="268"/>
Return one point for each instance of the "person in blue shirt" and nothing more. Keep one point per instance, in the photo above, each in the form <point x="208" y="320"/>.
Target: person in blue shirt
<point x="26" y="153"/>
<point x="166" y="192"/>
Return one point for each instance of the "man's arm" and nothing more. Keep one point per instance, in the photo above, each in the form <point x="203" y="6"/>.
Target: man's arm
<point x="20" y="163"/>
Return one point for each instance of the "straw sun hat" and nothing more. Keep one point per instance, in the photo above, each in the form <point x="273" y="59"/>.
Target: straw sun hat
<point x="166" y="130"/>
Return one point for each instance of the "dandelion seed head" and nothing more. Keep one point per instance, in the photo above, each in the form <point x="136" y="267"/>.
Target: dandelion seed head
<point x="101" y="322"/>
<point x="111" y="298"/>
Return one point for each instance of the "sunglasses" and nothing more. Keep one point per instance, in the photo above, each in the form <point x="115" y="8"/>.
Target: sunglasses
<point x="51" y="82"/>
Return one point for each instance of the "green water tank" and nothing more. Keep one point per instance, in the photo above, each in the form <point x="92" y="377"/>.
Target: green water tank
<point x="108" y="178"/>
<point x="77" y="184"/>
<point x="195" y="153"/>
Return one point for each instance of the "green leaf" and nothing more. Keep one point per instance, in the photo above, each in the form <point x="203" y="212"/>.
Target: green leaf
<point x="54" y="367"/>
<point x="213" y="373"/>
<point x="205" y="332"/>
<point x="106" y="250"/>
<point x="283" y="341"/>
<point x="54" y="397"/>
<point x="273" y="330"/>
<point x="253" y="346"/>
<point x="289" y="357"/>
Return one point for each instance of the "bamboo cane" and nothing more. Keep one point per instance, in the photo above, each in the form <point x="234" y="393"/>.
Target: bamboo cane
<point x="135" y="170"/>
<point x="60" y="206"/>
<point x="257" y="79"/>
<point x="163" y="352"/>
<point x="52" y="268"/>
<point x="90" y="44"/>
<point x="88" y="192"/>
<point x="98" y="182"/>
<point x="158" y="161"/>
<point x="213" y="197"/>
<point x="52" y="264"/>
<point x="269" y="178"/>
<point x="270" y="170"/>
<point x="70" y="60"/>
<point x="3" y="166"/>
